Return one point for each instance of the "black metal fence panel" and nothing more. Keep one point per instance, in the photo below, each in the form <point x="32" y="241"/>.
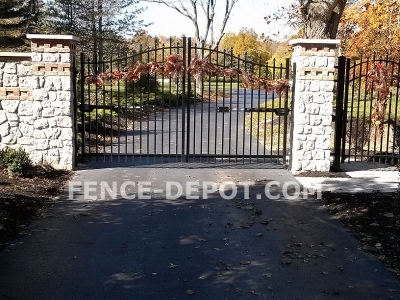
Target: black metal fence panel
<point x="371" y="111"/>
<point x="188" y="118"/>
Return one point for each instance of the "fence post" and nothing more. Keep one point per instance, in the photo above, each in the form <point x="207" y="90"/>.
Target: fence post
<point x="293" y="89"/>
<point x="286" y="106"/>
<point x="345" y="105"/>
<point x="339" y="121"/>
<point x="312" y="105"/>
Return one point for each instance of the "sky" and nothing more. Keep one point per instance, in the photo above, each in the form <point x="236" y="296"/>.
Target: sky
<point x="246" y="13"/>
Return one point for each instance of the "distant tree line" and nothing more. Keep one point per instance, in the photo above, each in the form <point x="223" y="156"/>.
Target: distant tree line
<point x="106" y="27"/>
<point x="101" y="25"/>
<point x="16" y="16"/>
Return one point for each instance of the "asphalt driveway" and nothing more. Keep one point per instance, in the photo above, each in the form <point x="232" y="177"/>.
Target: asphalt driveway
<point x="144" y="240"/>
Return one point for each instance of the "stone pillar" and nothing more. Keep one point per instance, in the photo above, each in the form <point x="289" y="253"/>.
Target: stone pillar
<point x="311" y="126"/>
<point x="52" y="93"/>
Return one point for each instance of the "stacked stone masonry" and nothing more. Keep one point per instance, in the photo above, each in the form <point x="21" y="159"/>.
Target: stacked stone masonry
<point x="312" y="105"/>
<point x="36" y="103"/>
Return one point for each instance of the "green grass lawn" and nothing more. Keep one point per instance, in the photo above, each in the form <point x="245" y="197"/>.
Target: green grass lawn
<point x="132" y="94"/>
<point x="362" y="103"/>
<point x="269" y="127"/>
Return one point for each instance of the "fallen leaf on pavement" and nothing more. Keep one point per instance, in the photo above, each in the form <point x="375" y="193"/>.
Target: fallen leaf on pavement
<point x="286" y="261"/>
<point x="254" y="293"/>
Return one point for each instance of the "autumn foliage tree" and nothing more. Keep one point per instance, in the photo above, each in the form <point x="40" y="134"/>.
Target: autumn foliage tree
<point x="369" y="27"/>
<point x="282" y="51"/>
<point x="246" y="42"/>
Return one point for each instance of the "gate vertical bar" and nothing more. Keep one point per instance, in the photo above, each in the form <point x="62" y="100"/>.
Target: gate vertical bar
<point x="279" y="75"/>
<point x="237" y="107"/>
<point x="271" y="139"/>
<point x="111" y="114"/>
<point x="201" y="105"/>
<point x="208" y="113"/>
<point x="339" y="112"/>
<point x="89" y="88"/>
<point x="184" y="157"/>
<point x="82" y="105"/>
<point x="96" y="98"/>
<point x="153" y="81"/>
<point x="258" y="113"/>
<point x="265" y="116"/>
<point x="251" y="111"/>
<point x="223" y="104"/>
<point x="103" y="98"/>
<point x="189" y="85"/>
<point x="162" y="111"/>
<point x="285" y="118"/>
<point x="364" y="114"/>
<point x="119" y="107"/>
<point x="396" y="128"/>
<point x="244" y="115"/>
<point x="126" y="110"/>
<point x="230" y="108"/>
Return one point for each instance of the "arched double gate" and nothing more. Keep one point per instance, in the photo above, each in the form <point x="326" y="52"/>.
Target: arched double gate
<point x="158" y="111"/>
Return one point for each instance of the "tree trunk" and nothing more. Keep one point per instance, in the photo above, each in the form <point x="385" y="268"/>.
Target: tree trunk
<point x="321" y="18"/>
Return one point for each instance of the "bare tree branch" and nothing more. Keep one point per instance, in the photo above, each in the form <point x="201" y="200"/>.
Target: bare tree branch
<point x="189" y="9"/>
<point x="228" y="9"/>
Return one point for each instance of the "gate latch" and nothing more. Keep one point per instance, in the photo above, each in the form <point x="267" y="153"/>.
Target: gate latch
<point x="277" y="111"/>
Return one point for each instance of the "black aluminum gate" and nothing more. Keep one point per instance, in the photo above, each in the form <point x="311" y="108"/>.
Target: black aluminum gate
<point x="367" y="130"/>
<point x="170" y="117"/>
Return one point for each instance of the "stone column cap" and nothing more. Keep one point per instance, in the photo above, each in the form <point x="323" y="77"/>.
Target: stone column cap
<point x="319" y="42"/>
<point x="51" y="37"/>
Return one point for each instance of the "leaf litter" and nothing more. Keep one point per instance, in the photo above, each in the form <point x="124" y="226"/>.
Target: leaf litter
<point x="24" y="199"/>
<point x="373" y="218"/>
